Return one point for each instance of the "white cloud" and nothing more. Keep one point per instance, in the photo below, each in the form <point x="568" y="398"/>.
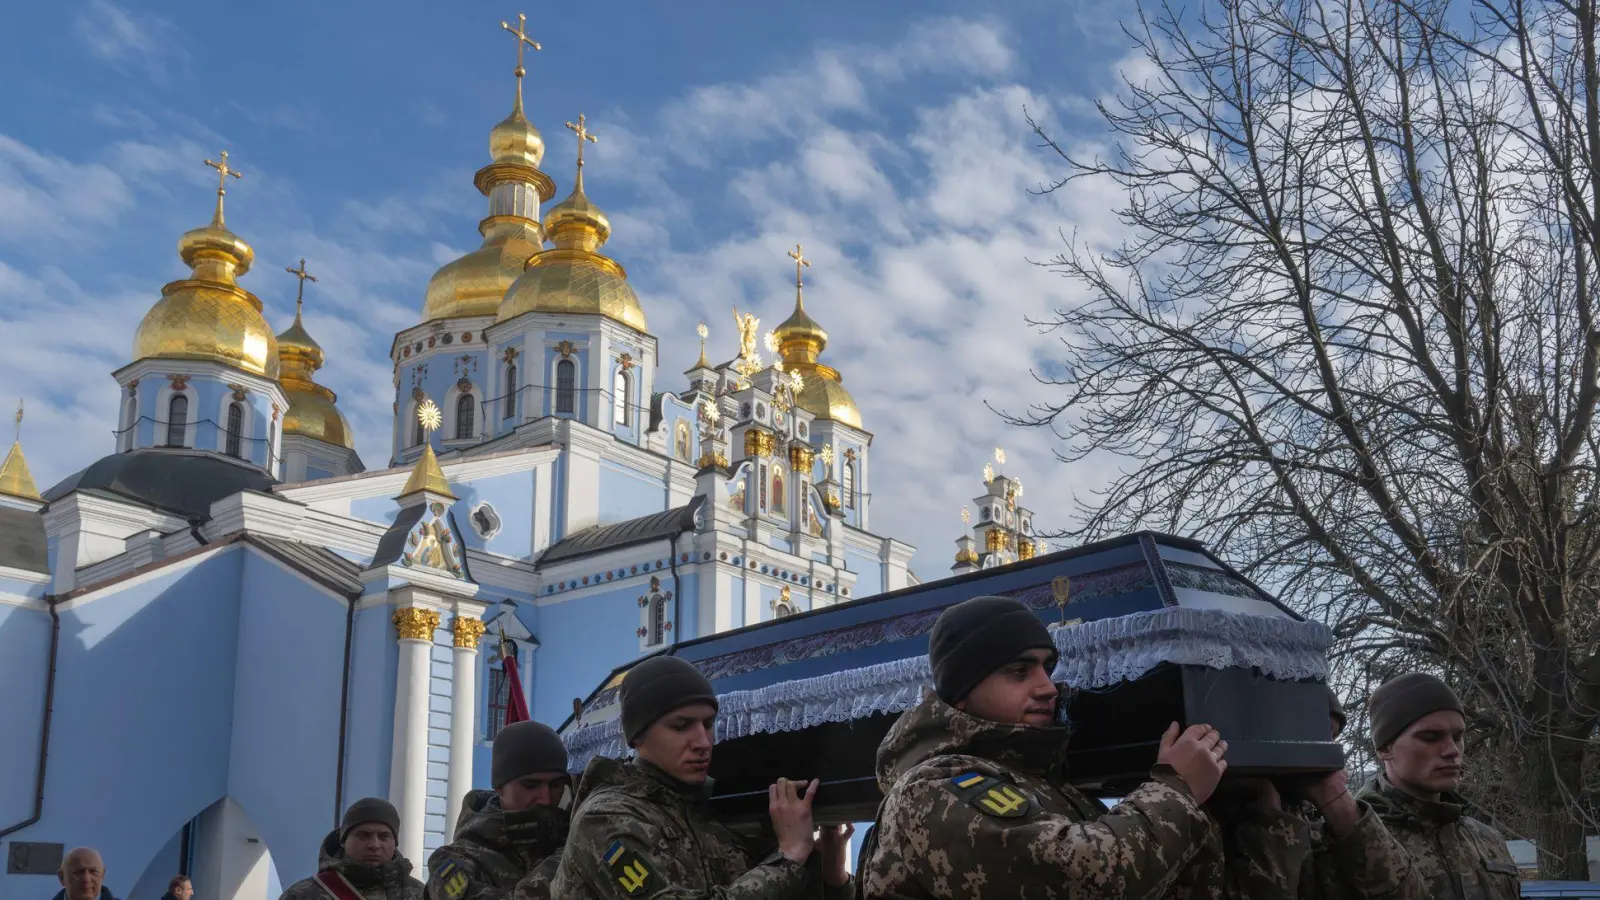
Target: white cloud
<point x="44" y="196"/>
<point x="130" y="40"/>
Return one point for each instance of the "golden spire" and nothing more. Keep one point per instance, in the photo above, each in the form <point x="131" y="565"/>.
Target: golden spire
<point x="583" y="135"/>
<point x="298" y="353"/>
<point x="15" y="479"/>
<point x="222" y="185"/>
<point x="521" y="32"/>
<point x="799" y="282"/>
<point x="427" y="476"/>
<point x="703" y="332"/>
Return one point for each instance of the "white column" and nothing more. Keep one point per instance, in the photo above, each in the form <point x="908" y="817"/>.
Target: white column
<point x="408" y="778"/>
<point x="463" y="716"/>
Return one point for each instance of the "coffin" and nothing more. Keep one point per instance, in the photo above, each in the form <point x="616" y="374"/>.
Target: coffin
<point x="1151" y="629"/>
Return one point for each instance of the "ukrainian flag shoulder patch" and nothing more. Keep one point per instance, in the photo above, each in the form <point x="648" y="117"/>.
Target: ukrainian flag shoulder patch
<point x="991" y="796"/>
<point x="452" y="879"/>
<point x="629" y="868"/>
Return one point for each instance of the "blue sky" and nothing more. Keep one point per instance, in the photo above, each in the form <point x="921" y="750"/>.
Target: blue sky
<point x="888" y="138"/>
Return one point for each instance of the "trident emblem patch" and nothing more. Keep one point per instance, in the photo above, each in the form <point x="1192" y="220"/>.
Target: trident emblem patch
<point x="631" y="871"/>
<point x="991" y="795"/>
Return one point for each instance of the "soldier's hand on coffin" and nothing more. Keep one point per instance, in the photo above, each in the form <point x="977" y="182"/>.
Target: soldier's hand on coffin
<point x="1331" y="794"/>
<point x="834" y="844"/>
<point x="791" y="817"/>
<point x="1196" y="755"/>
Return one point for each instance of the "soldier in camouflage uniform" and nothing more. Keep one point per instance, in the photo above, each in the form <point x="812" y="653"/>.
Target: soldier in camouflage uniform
<point x="359" y="859"/>
<point x="1417" y="728"/>
<point x="1352" y="854"/>
<point x="642" y="829"/>
<point x="508" y="839"/>
<point x="977" y="805"/>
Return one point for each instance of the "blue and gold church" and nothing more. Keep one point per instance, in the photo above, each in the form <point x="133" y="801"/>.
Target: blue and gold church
<point x="218" y="634"/>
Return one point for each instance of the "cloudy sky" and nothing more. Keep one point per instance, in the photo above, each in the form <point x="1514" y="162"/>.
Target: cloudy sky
<point x="888" y="138"/>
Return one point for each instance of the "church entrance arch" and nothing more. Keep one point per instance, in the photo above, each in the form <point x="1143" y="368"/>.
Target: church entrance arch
<point x="222" y="852"/>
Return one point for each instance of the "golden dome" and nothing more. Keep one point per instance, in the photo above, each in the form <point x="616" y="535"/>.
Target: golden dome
<point x="311" y="412"/>
<point x="516" y="141"/>
<point x="573" y="277"/>
<point x="207" y="316"/>
<point x="475" y="284"/>
<point x="824" y="397"/>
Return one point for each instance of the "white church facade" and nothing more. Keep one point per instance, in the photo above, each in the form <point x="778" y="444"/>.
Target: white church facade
<point x="227" y="628"/>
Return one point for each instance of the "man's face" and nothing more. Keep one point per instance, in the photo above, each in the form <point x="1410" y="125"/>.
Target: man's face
<point x="370" y="844"/>
<point x="1426" y="758"/>
<point x="1018" y="693"/>
<point x="679" y="743"/>
<point x="538" y="789"/>
<point x="184" y="892"/>
<point x="82" y="875"/>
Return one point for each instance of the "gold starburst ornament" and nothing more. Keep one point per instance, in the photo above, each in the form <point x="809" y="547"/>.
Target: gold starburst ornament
<point x="428" y="415"/>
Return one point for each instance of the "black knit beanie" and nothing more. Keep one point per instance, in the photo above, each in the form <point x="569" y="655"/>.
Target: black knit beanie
<point x="525" y="748"/>
<point x="369" y="809"/>
<point x="1400" y="701"/>
<point x="658" y="686"/>
<point x="976" y="637"/>
<point x="1335" y="707"/>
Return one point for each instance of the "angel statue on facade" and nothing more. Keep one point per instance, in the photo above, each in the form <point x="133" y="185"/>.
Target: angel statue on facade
<point x="748" y="325"/>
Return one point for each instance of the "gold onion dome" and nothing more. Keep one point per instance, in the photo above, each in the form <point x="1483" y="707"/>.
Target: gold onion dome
<point x="474" y="284"/>
<point x="312" y="411"/>
<point x="800" y="342"/>
<point x="574" y="277"/>
<point x="207" y="316"/>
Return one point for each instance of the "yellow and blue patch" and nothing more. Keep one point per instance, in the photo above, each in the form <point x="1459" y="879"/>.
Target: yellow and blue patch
<point x="991" y="796"/>
<point x="452" y="879"/>
<point x="630" y="869"/>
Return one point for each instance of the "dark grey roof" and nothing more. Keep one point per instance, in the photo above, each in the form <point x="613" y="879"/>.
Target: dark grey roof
<point x="185" y="482"/>
<point x="320" y="563"/>
<point x="393" y="542"/>
<point x="22" y="541"/>
<point x="654" y="527"/>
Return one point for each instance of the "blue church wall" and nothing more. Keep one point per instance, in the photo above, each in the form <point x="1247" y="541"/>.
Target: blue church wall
<point x="24" y="652"/>
<point x="511" y="495"/>
<point x="598" y="632"/>
<point x="687" y="626"/>
<point x="869" y="573"/>
<point x="374" y="658"/>
<point x="209" y="397"/>
<point x="375" y="509"/>
<point x="626" y="494"/>
<point x="286" y="697"/>
<point x="188" y="695"/>
<point x="558" y="501"/>
<point x="437" y="376"/>
<point x="638" y="405"/>
<point x="736" y="617"/>
<point x="153" y="883"/>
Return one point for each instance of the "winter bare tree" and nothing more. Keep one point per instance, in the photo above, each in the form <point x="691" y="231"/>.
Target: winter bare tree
<point x="1353" y="343"/>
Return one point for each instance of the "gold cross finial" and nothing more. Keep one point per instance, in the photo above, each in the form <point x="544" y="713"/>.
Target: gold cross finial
<point x="521" y="32"/>
<point x="582" y="131"/>
<point x="19" y="420"/>
<point x="304" y="276"/>
<point x="223" y="171"/>
<point x="799" y="261"/>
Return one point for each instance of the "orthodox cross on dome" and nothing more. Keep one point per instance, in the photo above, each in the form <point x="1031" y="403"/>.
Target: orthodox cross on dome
<point x="18" y="438"/>
<point x="799" y="262"/>
<point x="223" y="171"/>
<point x="582" y="131"/>
<point x="521" y="32"/>
<point x="300" y="292"/>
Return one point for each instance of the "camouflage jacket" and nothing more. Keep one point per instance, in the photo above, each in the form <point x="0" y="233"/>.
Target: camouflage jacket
<point x="980" y="810"/>
<point x="390" y="881"/>
<point x="494" y="850"/>
<point x="636" y="832"/>
<point x="1366" y="864"/>
<point x="1453" y="856"/>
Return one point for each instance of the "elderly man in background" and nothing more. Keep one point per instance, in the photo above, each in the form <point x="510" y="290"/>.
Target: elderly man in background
<point x="83" y="876"/>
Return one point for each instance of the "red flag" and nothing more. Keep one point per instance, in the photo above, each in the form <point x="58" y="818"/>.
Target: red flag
<point x="516" y="701"/>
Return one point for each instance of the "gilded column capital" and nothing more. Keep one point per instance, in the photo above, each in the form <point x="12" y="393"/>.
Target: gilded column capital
<point x="467" y="630"/>
<point x="416" y="623"/>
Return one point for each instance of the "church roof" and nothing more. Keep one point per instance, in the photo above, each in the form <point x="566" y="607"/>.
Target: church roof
<point x="599" y="538"/>
<point x="22" y="540"/>
<point x="319" y="563"/>
<point x="183" y="482"/>
<point x="393" y="543"/>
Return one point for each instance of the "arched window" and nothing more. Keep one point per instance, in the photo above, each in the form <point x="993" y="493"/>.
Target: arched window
<point x="465" y="406"/>
<point x="620" y="401"/>
<point x="130" y="425"/>
<point x="417" y="434"/>
<point x="235" y="428"/>
<point x="566" y="386"/>
<point x="777" y="489"/>
<point x="681" y="444"/>
<point x="499" y="697"/>
<point x="658" y="618"/>
<point x="510" y="406"/>
<point x="177" y="420"/>
<point x="849" y="479"/>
